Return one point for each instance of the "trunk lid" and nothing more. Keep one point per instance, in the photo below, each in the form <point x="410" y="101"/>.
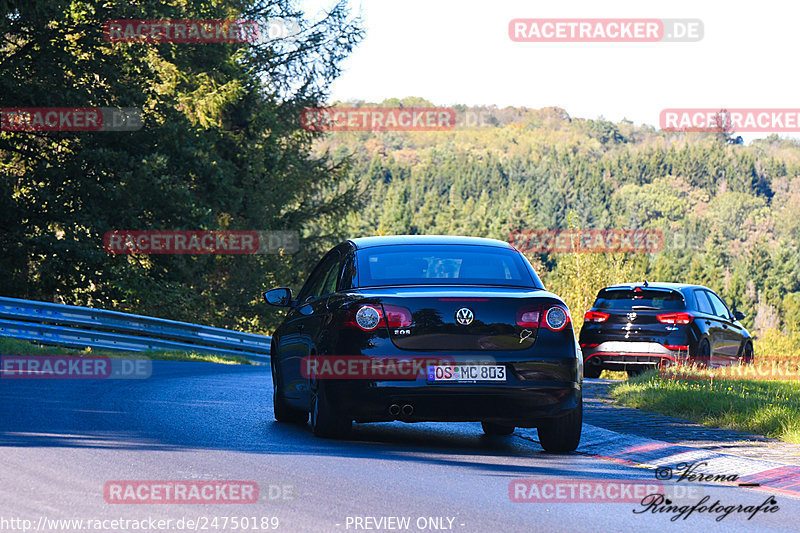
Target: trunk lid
<point x="463" y="318"/>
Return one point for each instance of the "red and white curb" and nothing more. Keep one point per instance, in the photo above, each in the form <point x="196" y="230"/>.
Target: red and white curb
<point x="637" y="451"/>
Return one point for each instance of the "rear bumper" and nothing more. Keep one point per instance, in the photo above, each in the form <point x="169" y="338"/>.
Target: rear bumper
<point x="621" y="355"/>
<point x="534" y="390"/>
<point x="622" y="361"/>
<point x="521" y="406"/>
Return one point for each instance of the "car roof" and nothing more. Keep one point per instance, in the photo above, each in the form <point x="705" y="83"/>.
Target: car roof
<point x="388" y="240"/>
<point x="656" y="285"/>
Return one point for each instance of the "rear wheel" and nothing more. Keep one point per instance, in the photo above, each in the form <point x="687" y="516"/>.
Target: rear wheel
<point x="280" y="409"/>
<point x="325" y="421"/>
<point x="492" y="428"/>
<point x="703" y="357"/>
<point x="563" y="434"/>
<point x="592" y="371"/>
<point x="747" y="354"/>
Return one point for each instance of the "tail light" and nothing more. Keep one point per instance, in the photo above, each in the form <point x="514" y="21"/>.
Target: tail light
<point x="677" y="347"/>
<point x="595" y="316"/>
<point x="589" y="345"/>
<point x="369" y="317"/>
<point x="397" y="316"/>
<point x="528" y="317"/>
<point x="675" y="318"/>
<point x="556" y="318"/>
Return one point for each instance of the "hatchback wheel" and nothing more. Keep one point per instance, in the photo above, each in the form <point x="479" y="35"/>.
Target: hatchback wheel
<point x="703" y="357"/>
<point x="592" y="371"/>
<point x="747" y="354"/>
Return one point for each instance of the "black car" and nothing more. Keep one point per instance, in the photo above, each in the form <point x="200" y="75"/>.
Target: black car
<point x="636" y="326"/>
<point x="427" y="328"/>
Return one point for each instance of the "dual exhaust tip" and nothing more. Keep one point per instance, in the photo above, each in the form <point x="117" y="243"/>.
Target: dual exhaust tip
<point x="407" y="410"/>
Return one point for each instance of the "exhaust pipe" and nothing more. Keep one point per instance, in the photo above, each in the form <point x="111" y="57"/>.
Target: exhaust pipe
<point x="408" y="410"/>
<point x="394" y="409"/>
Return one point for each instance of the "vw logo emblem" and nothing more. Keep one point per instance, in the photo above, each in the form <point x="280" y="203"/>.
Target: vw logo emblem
<point x="464" y="316"/>
<point x="631" y="316"/>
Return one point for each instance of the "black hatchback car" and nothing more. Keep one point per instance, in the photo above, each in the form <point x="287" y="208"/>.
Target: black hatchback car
<point x="427" y="328"/>
<point x="636" y="326"/>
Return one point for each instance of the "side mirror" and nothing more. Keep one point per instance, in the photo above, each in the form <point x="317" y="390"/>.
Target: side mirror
<point x="280" y="297"/>
<point x="738" y="315"/>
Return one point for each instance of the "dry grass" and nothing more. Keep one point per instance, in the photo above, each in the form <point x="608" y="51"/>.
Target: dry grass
<point x="762" y="398"/>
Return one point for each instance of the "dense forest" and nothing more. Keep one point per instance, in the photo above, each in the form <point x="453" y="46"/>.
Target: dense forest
<point x="729" y="213"/>
<point x="222" y="148"/>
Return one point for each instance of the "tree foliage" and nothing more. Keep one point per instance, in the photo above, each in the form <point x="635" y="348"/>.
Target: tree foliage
<point x="221" y="148"/>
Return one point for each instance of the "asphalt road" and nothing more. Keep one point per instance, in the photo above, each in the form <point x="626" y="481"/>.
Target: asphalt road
<point x="63" y="440"/>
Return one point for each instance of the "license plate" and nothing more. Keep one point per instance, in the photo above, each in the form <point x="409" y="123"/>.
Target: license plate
<point x="467" y="373"/>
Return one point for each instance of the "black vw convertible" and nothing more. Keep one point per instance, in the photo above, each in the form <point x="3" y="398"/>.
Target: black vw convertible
<point x="427" y="328"/>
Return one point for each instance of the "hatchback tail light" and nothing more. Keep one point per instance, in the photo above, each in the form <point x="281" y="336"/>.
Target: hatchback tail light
<point x="677" y="347"/>
<point x="595" y="316"/>
<point x="675" y="318"/>
<point x="372" y="316"/>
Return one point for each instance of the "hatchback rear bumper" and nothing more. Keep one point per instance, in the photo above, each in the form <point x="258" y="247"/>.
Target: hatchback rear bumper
<point x="621" y="356"/>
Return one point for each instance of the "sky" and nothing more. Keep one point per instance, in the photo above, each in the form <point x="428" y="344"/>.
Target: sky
<point x="459" y="52"/>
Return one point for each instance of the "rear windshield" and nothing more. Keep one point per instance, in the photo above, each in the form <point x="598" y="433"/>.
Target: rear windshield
<point x="431" y="264"/>
<point x="639" y="299"/>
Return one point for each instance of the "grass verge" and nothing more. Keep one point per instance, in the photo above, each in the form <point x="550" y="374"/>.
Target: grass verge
<point x="764" y="407"/>
<point x="10" y="346"/>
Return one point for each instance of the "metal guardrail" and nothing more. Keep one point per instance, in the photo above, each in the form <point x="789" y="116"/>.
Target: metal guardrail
<point x="82" y="327"/>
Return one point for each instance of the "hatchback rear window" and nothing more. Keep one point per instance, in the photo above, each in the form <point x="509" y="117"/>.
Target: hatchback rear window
<point x="442" y="264"/>
<point x="639" y="299"/>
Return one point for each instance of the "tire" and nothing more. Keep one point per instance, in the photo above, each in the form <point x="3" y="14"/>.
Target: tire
<point x="325" y="421"/>
<point x="592" y="371"/>
<point x="492" y="428"/>
<point x="747" y="354"/>
<point x="280" y="409"/>
<point x="703" y="357"/>
<point x="563" y="434"/>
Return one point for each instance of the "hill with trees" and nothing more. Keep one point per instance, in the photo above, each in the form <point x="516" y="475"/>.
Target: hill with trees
<point x="729" y="213"/>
